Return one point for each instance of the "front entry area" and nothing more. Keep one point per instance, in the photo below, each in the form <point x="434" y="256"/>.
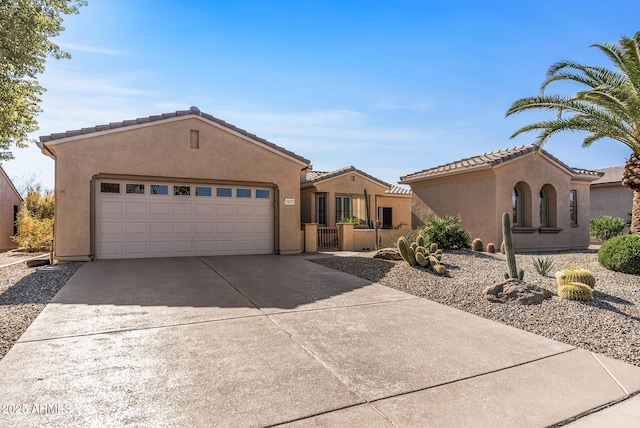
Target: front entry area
<point x="142" y="219"/>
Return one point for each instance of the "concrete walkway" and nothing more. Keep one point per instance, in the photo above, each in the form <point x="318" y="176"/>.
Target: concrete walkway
<point x="269" y="340"/>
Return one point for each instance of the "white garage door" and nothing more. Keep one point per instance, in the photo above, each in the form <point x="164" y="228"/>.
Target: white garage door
<point x="165" y="219"/>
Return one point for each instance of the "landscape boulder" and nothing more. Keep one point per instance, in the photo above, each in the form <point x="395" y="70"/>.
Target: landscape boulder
<point x="388" y="254"/>
<point x="516" y="291"/>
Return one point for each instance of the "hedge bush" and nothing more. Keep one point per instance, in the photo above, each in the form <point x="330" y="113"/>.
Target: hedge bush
<point x="621" y="253"/>
<point x="446" y="232"/>
<point x="606" y="227"/>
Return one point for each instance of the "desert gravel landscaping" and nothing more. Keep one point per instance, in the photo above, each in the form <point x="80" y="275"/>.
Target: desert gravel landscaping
<point x="24" y="292"/>
<point x="609" y="325"/>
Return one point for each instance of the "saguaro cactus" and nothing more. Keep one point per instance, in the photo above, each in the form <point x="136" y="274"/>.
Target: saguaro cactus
<point x="508" y="247"/>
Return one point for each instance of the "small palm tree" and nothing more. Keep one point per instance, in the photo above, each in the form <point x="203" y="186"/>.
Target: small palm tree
<point x="609" y="107"/>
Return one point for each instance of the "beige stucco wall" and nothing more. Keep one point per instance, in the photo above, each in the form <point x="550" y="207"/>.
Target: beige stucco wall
<point x="162" y="150"/>
<point x="353" y="183"/>
<point x="8" y="199"/>
<point x="472" y="196"/>
<point x="611" y="199"/>
<point x="481" y="197"/>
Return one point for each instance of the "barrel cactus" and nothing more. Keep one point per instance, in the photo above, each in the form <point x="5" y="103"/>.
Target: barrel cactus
<point x="477" y="245"/>
<point x="582" y="276"/>
<point x="575" y="291"/>
<point x="491" y="247"/>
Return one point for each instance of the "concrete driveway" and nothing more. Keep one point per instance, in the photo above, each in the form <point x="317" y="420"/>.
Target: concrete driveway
<point x="268" y="340"/>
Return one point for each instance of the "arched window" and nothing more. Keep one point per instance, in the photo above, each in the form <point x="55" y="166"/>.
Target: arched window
<point x="544" y="208"/>
<point x="518" y="208"/>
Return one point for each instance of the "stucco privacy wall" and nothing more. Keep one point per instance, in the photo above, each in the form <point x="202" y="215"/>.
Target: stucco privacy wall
<point x="161" y="150"/>
<point x="9" y="199"/>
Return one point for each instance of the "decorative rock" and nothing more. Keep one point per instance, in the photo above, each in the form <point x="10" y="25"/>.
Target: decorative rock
<point x="515" y="291"/>
<point x="388" y="254"/>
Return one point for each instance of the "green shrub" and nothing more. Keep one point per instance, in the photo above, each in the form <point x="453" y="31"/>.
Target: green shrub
<point x="621" y="254"/>
<point x="446" y="232"/>
<point x="606" y="227"/>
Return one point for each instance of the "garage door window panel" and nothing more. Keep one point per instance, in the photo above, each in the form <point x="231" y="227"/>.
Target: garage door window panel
<point x="203" y="191"/>
<point x="223" y="192"/>
<point x="109" y="187"/>
<point x="158" y="189"/>
<point x="243" y="193"/>
<point x="134" y="189"/>
<point x="181" y="190"/>
<point x="263" y="194"/>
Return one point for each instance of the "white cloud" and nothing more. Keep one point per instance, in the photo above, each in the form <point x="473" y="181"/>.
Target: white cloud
<point x="93" y="49"/>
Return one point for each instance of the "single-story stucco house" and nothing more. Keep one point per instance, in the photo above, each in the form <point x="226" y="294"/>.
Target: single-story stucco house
<point x="10" y="204"/>
<point x="176" y="184"/>
<point x="609" y="196"/>
<point x="549" y="200"/>
<point x="327" y="198"/>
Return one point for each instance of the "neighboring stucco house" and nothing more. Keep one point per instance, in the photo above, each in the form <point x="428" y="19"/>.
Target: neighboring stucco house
<point x="549" y="201"/>
<point x="609" y="196"/>
<point x="176" y="184"/>
<point x="330" y="197"/>
<point x="10" y="204"/>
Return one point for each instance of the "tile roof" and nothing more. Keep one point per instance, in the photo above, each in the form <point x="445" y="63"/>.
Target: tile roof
<point x="397" y="190"/>
<point x="610" y="175"/>
<point x="487" y="160"/>
<point x="317" y="176"/>
<point x="195" y="111"/>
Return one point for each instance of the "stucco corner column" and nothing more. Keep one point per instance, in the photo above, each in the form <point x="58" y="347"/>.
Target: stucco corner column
<point x="345" y="236"/>
<point x="310" y="238"/>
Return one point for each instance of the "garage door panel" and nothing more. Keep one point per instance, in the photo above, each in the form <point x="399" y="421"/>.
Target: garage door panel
<point x="180" y="228"/>
<point x="161" y="224"/>
<point x="160" y="247"/>
<point x="263" y="245"/>
<point x="263" y="211"/>
<point x="133" y="228"/>
<point x="244" y="210"/>
<point x="226" y="227"/>
<point x="159" y="208"/>
<point x="262" y="228"/>
<point x="204" y="210"/>
<point x="244" y="227"/>
<point x="160" y="228"/>
<point x="135" y="248"/>
<point x="181" y="246"/>
<point x="204" y="227"/>
<point x="110" y="207"/>
<point x="135" y="208"/>
<point x="181" y="209"/>
<point x="204" y="246"/>
<point x="110" y="228"/>
<point x="111" y="248"/>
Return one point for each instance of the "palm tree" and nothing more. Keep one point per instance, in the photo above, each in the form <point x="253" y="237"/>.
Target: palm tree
<point x="609" y="107"/>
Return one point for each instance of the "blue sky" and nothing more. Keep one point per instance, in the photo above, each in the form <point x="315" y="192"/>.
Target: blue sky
<point x="391" y="87"/>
